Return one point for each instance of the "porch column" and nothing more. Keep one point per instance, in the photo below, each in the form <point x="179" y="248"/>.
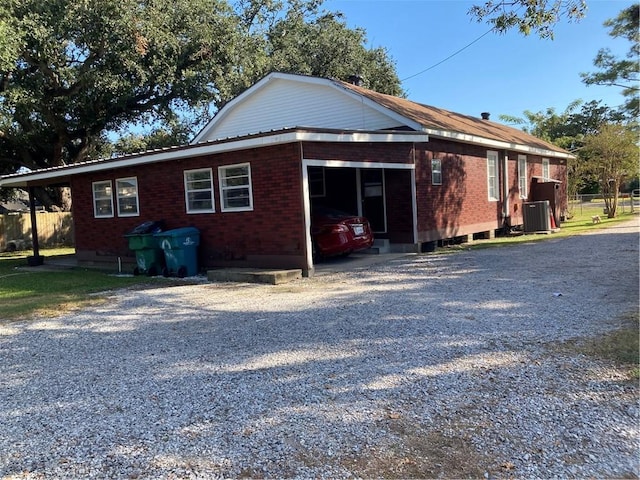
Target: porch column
<point x="37" y="259"/>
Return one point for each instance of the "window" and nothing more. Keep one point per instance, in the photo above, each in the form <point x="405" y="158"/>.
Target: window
<point x="127" y="193"/>
<point x="436" y="171"/>
<point x="492" y="175"/>
<point x="522" y="175"/>
<point x="102" y="199"/>
<point x="198" y="191"/>
<point x="235" y="188"/>
<point x="545" y="169"/>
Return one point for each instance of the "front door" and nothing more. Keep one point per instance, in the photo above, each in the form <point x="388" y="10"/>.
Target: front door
<point x="372" y="198"/>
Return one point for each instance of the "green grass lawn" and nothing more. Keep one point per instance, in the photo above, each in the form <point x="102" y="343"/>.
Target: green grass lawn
<point x="581" y="222"/>
<point x="25" y="291"/>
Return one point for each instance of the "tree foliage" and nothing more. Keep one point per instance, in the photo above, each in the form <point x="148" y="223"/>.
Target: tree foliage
<point x="326" y="47"/>
<point x="568" y="130"/>
<point x="611" y="156"/>
<point x="85" y="67"/>
<point x="73" y="71"/>
<point x="621" y="72"/>
<point x="539" y="16"/>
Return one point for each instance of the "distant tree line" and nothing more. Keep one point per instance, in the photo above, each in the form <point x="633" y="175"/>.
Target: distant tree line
<point x="603" y="138"/>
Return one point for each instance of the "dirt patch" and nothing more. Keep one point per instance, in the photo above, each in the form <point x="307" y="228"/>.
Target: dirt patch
<point x="415" y="451"/>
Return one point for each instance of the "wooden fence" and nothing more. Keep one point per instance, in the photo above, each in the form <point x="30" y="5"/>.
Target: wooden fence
<point x="54" y="229"/>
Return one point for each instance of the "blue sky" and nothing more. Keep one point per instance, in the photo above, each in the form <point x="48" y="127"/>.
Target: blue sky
<point x="500" y="74"/>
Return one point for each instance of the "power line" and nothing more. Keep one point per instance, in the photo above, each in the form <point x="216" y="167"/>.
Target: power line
<point x="450" y="56"/>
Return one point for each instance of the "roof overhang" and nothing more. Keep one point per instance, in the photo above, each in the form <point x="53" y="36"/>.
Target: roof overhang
<point x="497" y="144"/>
<point x="57" y="175"/>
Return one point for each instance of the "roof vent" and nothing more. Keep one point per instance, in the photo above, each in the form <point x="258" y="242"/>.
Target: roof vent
<point x="485" y="115"/>
<point x="356" y="80"/>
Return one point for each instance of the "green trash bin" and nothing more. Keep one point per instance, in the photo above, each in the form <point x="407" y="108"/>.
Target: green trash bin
<point x="180" y="247"/>
<point x="149" y="255"/>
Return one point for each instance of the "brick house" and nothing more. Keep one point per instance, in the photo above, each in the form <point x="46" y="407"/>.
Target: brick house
<point x="252" y="176"/>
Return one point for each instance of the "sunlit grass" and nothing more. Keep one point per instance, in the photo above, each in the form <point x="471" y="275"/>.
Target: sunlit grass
<point x="621" y="346"/>
<point x="27" y="291"/>
<point x="580" y="223"/>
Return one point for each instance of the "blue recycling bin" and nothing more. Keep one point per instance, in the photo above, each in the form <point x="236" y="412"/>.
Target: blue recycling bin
<point x="180" y="247"/>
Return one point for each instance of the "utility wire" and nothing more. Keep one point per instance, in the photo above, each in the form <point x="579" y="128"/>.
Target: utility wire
<point x="450" y="56"/>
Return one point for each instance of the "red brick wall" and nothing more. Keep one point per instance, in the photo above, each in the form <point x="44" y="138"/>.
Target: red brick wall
<point x="360" y="152"/>
<point x="274" y="227"/>
<point x="461" y="204"/>
<point x="399" y="206"/>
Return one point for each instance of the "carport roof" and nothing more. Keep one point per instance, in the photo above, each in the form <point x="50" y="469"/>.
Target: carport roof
<point x="61" y="175"/>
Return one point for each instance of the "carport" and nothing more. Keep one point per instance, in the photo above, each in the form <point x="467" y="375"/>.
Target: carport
<point x="30" y="187"/>
<point x="384" y="193"/>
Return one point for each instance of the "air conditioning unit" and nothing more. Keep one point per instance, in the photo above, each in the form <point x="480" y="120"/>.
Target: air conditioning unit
<point x="537" y="216"/>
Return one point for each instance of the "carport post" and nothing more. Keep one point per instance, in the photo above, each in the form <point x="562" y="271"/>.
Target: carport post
<point x="36" y="259"/>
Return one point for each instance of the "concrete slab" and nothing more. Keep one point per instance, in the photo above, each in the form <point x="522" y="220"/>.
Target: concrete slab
<point x="250" y="275"/>
<point x="355" y="261"/>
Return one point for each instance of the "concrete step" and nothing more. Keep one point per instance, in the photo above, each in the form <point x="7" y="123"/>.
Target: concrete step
<point x="380" y="245"/>
<point x="252" y="275"/>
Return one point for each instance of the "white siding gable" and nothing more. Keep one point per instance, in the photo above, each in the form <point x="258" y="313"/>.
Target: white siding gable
<point x="289" y="102"/>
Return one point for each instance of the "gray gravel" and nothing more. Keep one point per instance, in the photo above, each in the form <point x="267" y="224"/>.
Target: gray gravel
<point x="425" y="366"/>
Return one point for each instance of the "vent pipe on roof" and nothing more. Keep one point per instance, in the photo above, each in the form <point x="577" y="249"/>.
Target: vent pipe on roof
<point x="356" y="80"/>
<point x="485" y="115"/>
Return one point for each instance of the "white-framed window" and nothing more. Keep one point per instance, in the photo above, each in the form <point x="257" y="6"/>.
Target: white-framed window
<point x="127" y="195"/>
<point x="436" y="171"/>
<point x="522" y="175"/>
<point x="102" y="199"/>
<point x="545" y="169"/>
<point x="198" y="191"/>
<point x="235" y="188"/>
<point x="492" y="175"/>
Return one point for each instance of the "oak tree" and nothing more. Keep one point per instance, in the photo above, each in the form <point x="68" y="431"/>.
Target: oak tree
<point x="74" y="74"/>
<point x="528" y="16"/>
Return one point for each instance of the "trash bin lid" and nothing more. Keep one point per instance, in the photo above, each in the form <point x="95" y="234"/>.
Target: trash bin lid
<point x="148" y="227"/>
<point x="179" y="232"/>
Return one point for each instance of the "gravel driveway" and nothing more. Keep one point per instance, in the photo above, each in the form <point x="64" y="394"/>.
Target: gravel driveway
<point x="426" y="366"/>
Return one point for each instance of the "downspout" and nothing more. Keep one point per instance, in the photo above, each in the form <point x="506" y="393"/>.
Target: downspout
<point x="506" y="217"/>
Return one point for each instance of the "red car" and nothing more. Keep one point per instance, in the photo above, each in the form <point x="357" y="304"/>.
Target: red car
<point x="338" y="233"/>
